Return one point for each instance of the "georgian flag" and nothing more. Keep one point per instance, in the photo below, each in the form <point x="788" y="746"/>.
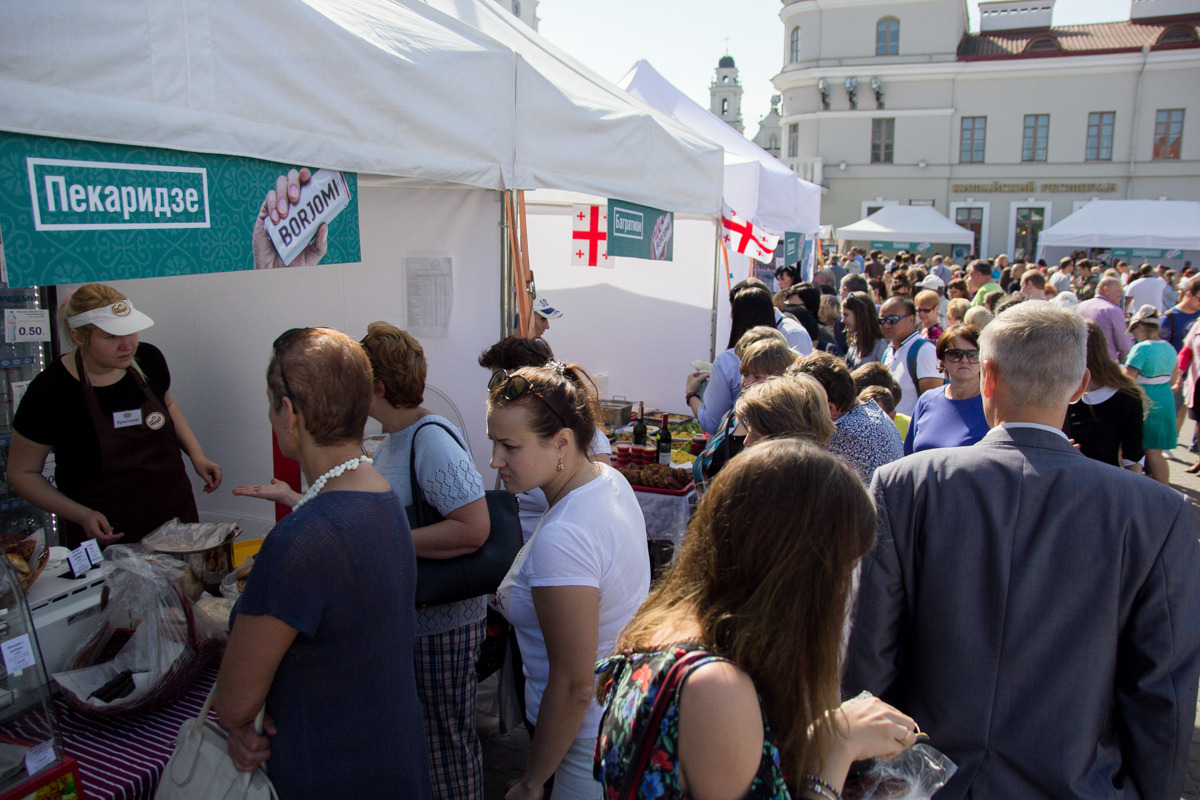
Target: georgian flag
<point x="589" y="236"/>
<point x="741" y="235"/>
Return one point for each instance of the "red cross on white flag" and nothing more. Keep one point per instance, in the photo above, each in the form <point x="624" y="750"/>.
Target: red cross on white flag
<point x="589" y="236"/>
<point x="741" y="236"/>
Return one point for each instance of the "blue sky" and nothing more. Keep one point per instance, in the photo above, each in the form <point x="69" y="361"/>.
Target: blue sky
<point x="683" y="39"/>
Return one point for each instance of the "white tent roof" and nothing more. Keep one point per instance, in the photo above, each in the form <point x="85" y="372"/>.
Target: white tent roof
<point x="450" y="90"/>
<point x="1164" y="224"/>
<point x="906" y="224"/>
<point x="757" y="185"/>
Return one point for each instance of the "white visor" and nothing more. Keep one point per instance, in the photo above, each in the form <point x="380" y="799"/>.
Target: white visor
<point x="119" y="319"/>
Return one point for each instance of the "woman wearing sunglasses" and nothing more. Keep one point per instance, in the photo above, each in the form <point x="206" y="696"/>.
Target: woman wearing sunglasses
<point x="579" y="578"/>
<point x="323" y="633"/>
<point x="951" y="416"/>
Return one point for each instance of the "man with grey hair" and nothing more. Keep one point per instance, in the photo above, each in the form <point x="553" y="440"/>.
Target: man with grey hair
<point x="1037" y="612"/>
<point x="854" y="283"/>
<point x="1106" y="310"/>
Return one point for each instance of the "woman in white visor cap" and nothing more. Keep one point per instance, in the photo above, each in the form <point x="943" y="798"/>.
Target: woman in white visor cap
<point x="105" y="410"/>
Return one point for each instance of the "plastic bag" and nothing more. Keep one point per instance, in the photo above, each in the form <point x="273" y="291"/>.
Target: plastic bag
<point x="144" y="630"/>
<point x="188" y="537"/>
<point x="915" y="774"/>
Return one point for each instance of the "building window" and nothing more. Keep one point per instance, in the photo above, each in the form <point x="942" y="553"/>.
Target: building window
<point x="794" y="140"/>
<point x="774" y="143"/>
<point x="517" y="7"/>
<point x="883" y="139"/>
<point x="1030" y="221"/>
<point x="887" y="37"/>
<point x="1036" y="138"/>
<point x="1168" y="131"/>
<point x="972" y="140"/>
<point x="1100" y="135"/>
<point x="794" y="46"/>
<point x="724" y="106"/>
<point x="971" y="218"/>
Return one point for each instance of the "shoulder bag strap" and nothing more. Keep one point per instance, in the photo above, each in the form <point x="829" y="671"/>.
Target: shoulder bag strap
<point x="666" y="692"/>
<point x="424" y="508"/>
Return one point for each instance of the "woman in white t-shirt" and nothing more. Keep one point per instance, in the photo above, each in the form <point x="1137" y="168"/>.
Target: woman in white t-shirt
<point x="579" y="578"/>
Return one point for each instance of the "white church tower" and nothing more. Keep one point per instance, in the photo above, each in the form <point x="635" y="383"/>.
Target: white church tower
<point x="725" y="94"/>
<point x="524" y="10"/>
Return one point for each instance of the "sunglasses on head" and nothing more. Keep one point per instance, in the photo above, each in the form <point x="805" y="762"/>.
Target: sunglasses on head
<point x="279" y="341"/>
<point x="516" y="386"/>
<point x="955" y="355"/>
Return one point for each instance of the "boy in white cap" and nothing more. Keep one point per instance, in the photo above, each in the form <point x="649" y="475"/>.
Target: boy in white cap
<point x="543" y="312"/>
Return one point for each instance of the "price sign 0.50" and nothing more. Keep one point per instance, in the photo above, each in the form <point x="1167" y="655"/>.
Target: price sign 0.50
<point x="26" y="325"/>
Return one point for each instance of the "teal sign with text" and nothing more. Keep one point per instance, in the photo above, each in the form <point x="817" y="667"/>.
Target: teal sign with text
<point x="1146" y="252"/>
<point x="640" y="231"/>
<point x="74" y="211"/>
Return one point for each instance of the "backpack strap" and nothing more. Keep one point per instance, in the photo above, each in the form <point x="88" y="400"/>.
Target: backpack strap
<point x="913" y="351"/>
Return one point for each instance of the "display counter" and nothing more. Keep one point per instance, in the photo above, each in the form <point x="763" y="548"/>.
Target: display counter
<point x="122" y="757"/>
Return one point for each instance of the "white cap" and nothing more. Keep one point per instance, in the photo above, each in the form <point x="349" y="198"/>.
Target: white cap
<point x="542" y="306"/>
<point x="932" y="282"/>
<point x="119" y="319"/>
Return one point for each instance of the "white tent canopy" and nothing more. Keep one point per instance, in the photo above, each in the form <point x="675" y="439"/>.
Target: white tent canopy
<point x="451" y="91"/>
<point x="917" y="224"/>
<point x="1161" y="224"/>
<point x="757" y="185"/>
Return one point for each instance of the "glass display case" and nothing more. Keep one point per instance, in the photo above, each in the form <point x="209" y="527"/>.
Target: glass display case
<point x="30" y="741"/>
<point x="20" y="361"/>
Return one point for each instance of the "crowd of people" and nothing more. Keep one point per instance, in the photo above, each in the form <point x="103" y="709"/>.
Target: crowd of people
<point x="917" y="524"/>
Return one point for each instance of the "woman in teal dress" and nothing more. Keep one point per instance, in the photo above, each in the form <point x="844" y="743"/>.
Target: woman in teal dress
<point x="1152" y="363"/>
<point x="755" y="602"/>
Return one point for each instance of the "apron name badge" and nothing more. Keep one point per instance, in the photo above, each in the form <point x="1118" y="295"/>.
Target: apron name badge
<point x="128" y="419"/>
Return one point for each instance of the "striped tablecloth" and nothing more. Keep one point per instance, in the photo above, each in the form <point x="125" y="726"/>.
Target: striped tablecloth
<point x="122" y="757"/>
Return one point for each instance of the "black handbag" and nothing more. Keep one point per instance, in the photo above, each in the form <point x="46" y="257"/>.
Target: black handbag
<point x="448" y="580"/>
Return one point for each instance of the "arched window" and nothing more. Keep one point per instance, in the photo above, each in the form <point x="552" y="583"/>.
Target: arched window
<point x="517" y="7"/>
<point x="794" y="46"/>
<point x="1177" y="34"/>
<point x="724" y="79"/>
<point x="1043" y="44"/>
<point x="887" y="37"/>
<point x="724" y="106"/>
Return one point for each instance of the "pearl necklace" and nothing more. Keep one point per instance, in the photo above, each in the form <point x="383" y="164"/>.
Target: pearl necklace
<point x="319" y="483"/>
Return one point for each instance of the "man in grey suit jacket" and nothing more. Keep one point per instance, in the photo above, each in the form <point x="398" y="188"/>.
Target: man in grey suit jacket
<point x="1037" y="612"/>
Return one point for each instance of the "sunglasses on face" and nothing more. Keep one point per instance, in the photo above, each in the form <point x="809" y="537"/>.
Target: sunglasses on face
<point x="955" y="355"/>
<point x="892" y="319"/>
<point x="516" y="386"/>
<point x="926" y="310"/>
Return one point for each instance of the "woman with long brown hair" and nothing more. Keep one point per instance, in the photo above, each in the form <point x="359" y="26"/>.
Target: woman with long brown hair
<point x="758" y="593"/>
<point x="865" y="341"/>
<point x="1107" y="422"/>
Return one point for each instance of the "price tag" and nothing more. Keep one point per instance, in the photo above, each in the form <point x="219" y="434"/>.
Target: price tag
<point x="39" y="757"/>
<point x="18" y="654"/>
<point x="26" y="325"/>
<point x="79" y="561"/>
<point x="18" y="391"/>
<point x="93" y="552"/>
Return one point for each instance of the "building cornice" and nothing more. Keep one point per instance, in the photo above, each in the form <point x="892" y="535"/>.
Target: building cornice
<point x="869" y="113"/>
<point x="990" y="69"/>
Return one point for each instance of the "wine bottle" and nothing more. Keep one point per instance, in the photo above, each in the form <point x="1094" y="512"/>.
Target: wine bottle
<point x="639" y="426"/>
<point x="664" y="443"/>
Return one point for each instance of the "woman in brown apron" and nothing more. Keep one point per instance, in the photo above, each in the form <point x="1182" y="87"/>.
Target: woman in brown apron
<point x="107" y="413"/>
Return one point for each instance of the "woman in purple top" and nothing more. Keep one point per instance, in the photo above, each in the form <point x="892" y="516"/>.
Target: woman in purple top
<point x="953" y="416"/>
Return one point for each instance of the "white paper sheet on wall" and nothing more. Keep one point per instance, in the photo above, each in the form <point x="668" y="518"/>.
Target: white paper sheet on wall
<point x="430" y="289"/>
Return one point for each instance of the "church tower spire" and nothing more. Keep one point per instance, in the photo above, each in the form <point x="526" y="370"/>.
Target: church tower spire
<point x="725" y="94"/>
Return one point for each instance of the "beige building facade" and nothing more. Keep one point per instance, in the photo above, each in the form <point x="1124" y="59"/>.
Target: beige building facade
<point x="1005" y="131"/>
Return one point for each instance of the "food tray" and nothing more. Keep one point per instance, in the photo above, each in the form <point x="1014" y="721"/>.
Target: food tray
<point x="676" y="492"/>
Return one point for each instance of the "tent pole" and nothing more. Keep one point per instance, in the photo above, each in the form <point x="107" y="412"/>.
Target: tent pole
<point x="712" y="336"/>
<point x="507" y="290"/>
